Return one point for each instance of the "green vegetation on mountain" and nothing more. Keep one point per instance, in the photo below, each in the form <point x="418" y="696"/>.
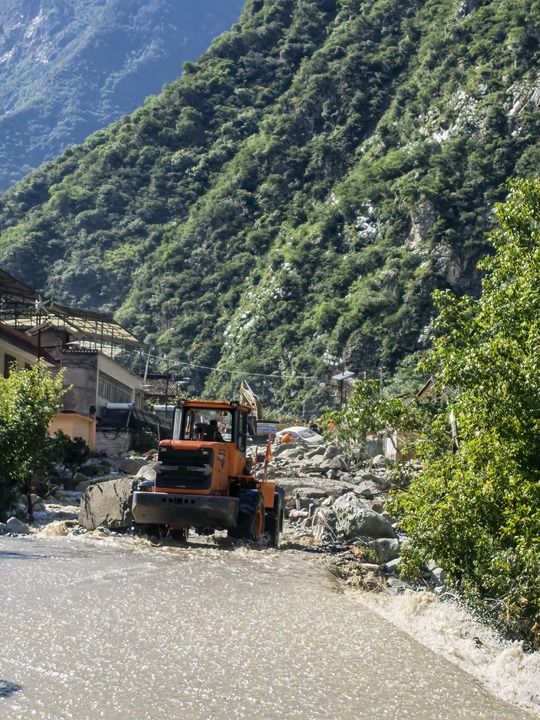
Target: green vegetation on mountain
<point x="299" y="193"/>
<point x="475" y="508"/>
<point x="70" y="68"/>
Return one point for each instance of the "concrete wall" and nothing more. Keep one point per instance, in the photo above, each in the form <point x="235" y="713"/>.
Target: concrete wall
<point x="75" y="425"/>
<point x="122" y="375"/>
<point x="81" y="372"/>
<point x="22" y="358"/>
<point x="114" y="442"/>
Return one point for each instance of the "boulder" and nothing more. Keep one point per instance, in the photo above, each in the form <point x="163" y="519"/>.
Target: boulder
<point x="387" y="549"/>
<point x="14" y="525"/>
<point x="368" y="489"/>
<point x="131" y="466"/>
<point x="337" y="463"/>
<point x="148" y="472"/>
<point x="37" y="502"/>
<point x="354" y="519"/>
<point x="108" y="504"/>
<point x="304" y="497"/>
<point x="331" y="452"/>
<point x="316" y="452"/>
<point x="380" y="461"/>
<point x="291" y="453"/>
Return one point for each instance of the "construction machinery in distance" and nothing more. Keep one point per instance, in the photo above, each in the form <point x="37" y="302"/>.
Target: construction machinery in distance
<point x="205" y="480"/>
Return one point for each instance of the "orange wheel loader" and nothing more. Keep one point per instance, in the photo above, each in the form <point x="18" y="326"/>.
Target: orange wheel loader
<point x="205" y="481"/>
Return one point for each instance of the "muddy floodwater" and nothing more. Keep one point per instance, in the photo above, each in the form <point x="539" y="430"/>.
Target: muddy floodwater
<point x="120" y="630"/>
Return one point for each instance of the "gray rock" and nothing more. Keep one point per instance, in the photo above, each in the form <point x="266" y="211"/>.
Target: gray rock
<point x="331" y="452"/>
<point x="354" y="519"/>
<point x="292" y="453"/>
<point x="378" y="506"/>
<point x="386" y="548"/>
<point x="108" y="504"/>
<point x="316" y="452"/>
<point x="84" y="484"/>
<point x="380" y="461"/>
<point x="14" y="525"/>
<point x="3" y="528"/>
<point x="304" y="497"/>
<point x="392" y="566"/>
<point x="368" y="489"/>
<point x="131" y="466"/>
<point x="37" y="502"/>
<point x="337" y="463"/>
<point x="298" y="514"/>
<point x="147" y="472"/>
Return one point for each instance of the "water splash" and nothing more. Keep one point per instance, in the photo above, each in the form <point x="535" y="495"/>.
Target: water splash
<point x="448" y="629"/>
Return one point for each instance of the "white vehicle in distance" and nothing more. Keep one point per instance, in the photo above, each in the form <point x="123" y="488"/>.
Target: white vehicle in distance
<point x="301" y="434"/>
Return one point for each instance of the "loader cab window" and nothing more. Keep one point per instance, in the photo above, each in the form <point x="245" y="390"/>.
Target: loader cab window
<point x="208" y="425"/>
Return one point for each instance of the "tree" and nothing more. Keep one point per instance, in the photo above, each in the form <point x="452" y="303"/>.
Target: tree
<point x="29" y="400"/>
<point x="367" y="411"/>
<point x="475" y="510"/>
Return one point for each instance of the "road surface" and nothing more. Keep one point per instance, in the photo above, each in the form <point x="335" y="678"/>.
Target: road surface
<point x="120" y="630"/>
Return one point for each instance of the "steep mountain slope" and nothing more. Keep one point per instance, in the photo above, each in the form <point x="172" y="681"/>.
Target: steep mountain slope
<point x="300" y="191"/>
<point x="69" y="68"/>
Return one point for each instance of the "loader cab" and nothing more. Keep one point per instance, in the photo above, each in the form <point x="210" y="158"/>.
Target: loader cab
<point x="213" y="422"/>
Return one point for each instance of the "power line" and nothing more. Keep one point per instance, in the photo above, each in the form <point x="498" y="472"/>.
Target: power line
<point x="185" y="363"/>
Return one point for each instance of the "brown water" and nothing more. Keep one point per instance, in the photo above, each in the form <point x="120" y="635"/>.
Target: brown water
<point x="120" y="630"/>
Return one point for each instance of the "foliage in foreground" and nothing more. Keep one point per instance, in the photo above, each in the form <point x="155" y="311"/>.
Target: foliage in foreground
<point x="476" y="510"/>
<point x="369" y="411"/>
<point x="29" y="400"/>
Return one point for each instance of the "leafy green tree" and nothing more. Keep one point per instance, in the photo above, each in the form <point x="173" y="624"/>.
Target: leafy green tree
<point x="369" y="411"/>
<point x="29" y="400"/>
<point x="475" y="509"/>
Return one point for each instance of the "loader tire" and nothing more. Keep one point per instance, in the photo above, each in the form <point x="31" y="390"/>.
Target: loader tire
<point x="274" y="518"/>
<point x="250" y="525"/>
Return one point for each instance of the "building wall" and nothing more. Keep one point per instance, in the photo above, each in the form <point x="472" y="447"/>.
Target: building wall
<point x="133" y="384"/>
<point x="81" y="374"/>
<point x="113" y="442"/>
<point x="21" y="357"/>
<point x="75" y="425"/>
<point x="83" y="370"/>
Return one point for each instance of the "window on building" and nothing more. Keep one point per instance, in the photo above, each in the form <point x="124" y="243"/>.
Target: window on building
<point x="113" y="391"/>
<point x="8" y="362"/>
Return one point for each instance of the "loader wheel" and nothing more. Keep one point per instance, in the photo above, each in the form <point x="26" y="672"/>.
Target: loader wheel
<point x="274" y="518"/>
<point x="251" y="514"/>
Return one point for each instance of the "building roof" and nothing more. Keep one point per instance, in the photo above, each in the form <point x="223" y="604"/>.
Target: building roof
<point x="21" y="307"/>
<point x="15" y="290"/>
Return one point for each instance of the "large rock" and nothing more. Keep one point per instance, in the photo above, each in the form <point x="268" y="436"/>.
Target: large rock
<point x="108" y="504"/>
<point x="368" y="489"/>
<point x="354" y="519"/>
<point x="292" y="453"/>
<point x="387" y="549"/>
<point x="331" y="452"/>
<point x="131" y="466"/>
<point x="148" y="472"/>
<point x="14" y="525"/>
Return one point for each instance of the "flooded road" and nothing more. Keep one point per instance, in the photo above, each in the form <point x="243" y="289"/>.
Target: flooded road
<point x="119" y="630"/>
